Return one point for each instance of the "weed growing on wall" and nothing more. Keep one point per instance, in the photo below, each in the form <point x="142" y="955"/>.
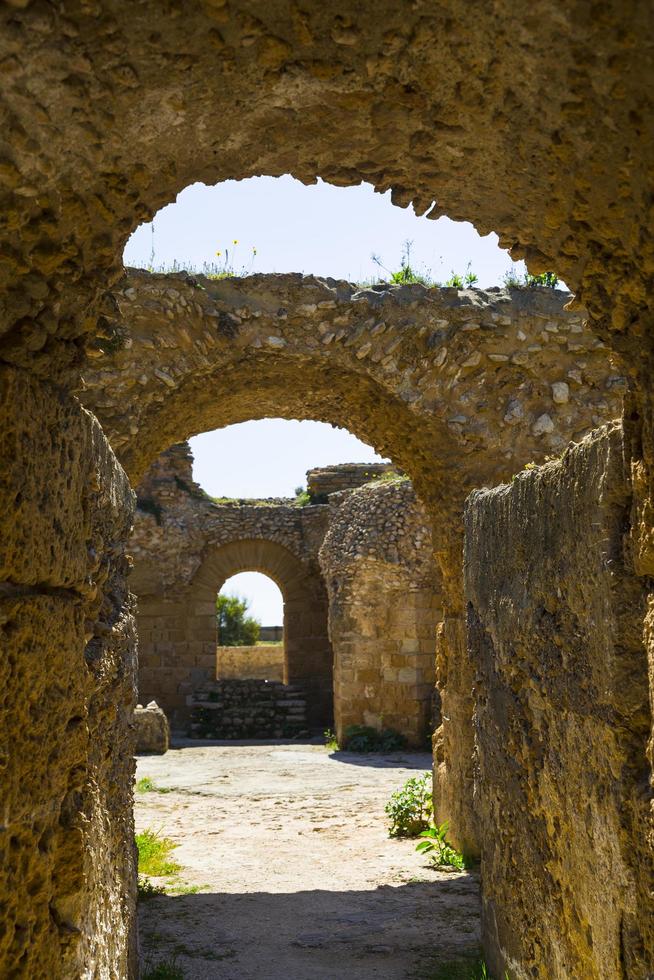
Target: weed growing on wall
<point x="514" y="281"/>
<point x="410" y="807"/>
<point x="441" y="853"/>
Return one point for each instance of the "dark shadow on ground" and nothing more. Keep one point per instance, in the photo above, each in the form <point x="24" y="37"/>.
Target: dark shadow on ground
<point x="385" y="760"/>
<point x="388" y="933"/>
<point x="405" y="759"/>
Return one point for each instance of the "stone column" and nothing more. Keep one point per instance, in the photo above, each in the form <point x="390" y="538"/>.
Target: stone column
<point x="67" y="683"/>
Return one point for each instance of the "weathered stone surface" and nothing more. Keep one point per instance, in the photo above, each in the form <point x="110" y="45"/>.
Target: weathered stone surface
<point x="384" y="608"/>
<point x="67" y="671"/>
<point x="233" y="709"/>
<point x="325" y="480"/>
<point x="427" y="394"/>
<point x="547" y="112"/>
<point x="185" y="547"/>
<point x="265" y="661"/>
<point x="152" y="730"/>
<point x="105" y="114"/>
<point x="563" y="792"/>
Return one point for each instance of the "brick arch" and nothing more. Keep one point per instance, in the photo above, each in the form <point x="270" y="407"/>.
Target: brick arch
<point x="192" y="650"/>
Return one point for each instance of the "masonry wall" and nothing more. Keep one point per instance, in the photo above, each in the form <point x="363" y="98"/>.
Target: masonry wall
<point x="384" y="608"/>
<point x="67" y="673"/>
<point x="563" y="718"/>
<point x="261" y="662"/>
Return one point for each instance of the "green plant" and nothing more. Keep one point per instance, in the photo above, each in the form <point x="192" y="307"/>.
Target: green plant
<point x="468" y="966"/>
<point x="462" y="281"/>
<point x="441" y="853"/>
<point x="146" y="889"/>
<point x="410" y="807"/>
<point x="163" y="970"/>
<point x="302" y="497"/>
<point x="406" y="274"/>
<point x="234" y="627"/>
<point x="364" y="738"/>
<point x="148" y="785"/>
<point x="330" y="740"/>
<point x="154" y="854"/>
<point x="514" y="281"/>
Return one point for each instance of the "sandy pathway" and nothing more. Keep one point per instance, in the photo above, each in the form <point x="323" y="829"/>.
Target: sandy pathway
<point x="299" y="878"/>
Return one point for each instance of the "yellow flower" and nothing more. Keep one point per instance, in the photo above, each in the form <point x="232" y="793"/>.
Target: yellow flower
<point x="235" y="242"/>
<point x="219" y="253"/>
<point x="254" y="251"/>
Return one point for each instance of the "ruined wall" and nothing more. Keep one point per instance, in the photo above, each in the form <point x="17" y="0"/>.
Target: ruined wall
<point x="325" y="480"/>
<point x="384" y="607"/>
<point x="185" y="547"/>
<point x="562" y="720"/>
<point x="458" y="387"/>
<point x="261" y="662"/>
<point x="67" y="672"/>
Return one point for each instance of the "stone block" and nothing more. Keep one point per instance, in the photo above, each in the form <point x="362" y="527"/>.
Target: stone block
<point x="152" y="730"/>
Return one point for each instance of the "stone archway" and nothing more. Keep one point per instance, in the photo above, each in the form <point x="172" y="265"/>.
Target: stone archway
<point x="535" y="123"/>
<point x="307" y="651"/>
<point x="459" y="389"/>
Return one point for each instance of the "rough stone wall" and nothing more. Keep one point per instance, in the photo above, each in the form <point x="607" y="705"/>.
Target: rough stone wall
<point x="261" y="662"/>
<point x="67" y="673"/>
<point x="230" y="709"/>
<point x="384" y="607"/>
<point x="185" y="547"/>
<point x="324" y="480"/>
<point x="563" y="718"/>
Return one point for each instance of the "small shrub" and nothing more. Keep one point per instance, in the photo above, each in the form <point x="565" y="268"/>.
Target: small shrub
<point x="148" y="785"/>
<point x="514" y="281"/>
<point x="154" y="854"/>
<point x="409" y="808"/>
<point x="364" y="738"/>
<point x="330" y="740"/>
<point x="302" y="497"/>
<point x="441" y="853"/>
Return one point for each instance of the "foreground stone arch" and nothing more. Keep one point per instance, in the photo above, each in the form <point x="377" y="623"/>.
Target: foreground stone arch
<point x="536" y="123"/>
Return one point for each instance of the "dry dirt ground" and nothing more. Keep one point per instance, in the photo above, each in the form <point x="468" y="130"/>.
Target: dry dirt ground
<point x="299" y="879"/>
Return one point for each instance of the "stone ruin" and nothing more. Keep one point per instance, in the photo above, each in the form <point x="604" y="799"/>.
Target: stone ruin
<point x="358" y="578"/>
<point x="534" y="123"/>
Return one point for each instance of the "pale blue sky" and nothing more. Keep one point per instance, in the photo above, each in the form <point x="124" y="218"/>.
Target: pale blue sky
<point x="319" y="229"/>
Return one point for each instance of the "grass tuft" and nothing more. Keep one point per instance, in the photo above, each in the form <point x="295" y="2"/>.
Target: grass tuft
<point x="154" y="854"/>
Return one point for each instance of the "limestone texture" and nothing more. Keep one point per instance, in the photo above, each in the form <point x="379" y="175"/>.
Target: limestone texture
<point x="563" y="792"/>
<point x="185" y="546"/>
<point x="452" y="385"/>
<point x="383" y="584"/>
<point x="152" y="729"/>
<point x="265" y="661"/>
<point x="67" y="675"/>
<point x="535" y="122"/>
